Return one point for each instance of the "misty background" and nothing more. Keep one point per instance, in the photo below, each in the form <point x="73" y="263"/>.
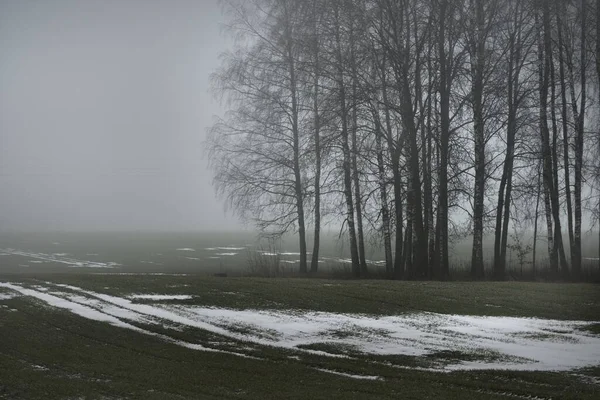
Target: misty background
<point x="103" y="112"/>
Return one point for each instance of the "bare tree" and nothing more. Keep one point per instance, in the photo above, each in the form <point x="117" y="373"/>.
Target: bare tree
<point x="391" y="118"/>
<point x="315" y="48"/>
<point x="256" y="150"/>
<point x="545" y="59"/>
<point x="598" y="76"/>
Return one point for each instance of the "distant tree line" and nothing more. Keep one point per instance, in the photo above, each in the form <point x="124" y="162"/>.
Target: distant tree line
<point x="413" y="121"/>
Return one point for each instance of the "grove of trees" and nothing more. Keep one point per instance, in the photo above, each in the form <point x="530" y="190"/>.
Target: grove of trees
<point x="413" y="122"/>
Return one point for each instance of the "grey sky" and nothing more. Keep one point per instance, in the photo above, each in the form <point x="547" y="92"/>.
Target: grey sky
<point x="103" y="110"/>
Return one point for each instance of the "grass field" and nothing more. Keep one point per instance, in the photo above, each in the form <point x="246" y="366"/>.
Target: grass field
<point x="104" y="336"/>
<point x="230" y="252"/>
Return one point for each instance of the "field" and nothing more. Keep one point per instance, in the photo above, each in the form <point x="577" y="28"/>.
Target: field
<point x="230" y="252"/>
<point x="86" y="321"/>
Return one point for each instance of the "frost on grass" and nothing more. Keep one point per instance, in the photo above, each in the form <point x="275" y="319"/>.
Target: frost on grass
<point x="460" y="342"/>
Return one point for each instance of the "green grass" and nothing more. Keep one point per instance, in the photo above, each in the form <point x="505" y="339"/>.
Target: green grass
<point x="593" y="328"/>
<point x="47" y="353"/>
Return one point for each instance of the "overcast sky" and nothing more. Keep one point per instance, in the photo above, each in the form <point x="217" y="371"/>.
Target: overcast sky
<point x="103" y="111"/>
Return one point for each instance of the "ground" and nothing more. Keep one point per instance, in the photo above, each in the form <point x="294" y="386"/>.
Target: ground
<point x="99" y="340"/>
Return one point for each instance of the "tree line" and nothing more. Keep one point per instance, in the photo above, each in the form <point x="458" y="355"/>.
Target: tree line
<point x="413" y="121"/>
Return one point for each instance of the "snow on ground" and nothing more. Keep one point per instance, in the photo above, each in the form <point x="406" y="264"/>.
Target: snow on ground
<point x="225" y="254"/>
<point x="367" y="377"/>
<point x="95" y="310"/>
<point x="499" y="342"/>
<point x="7" y="296"/>
<point x="267" y="253"/>
<point x="545" y="344"/>
<point x="185" y="249"/>
<point x="70" y="305"/>
<point x="138" y="273"/>
<point x="160" y="296"/>
<point x="61" y="258"/>
<point x="230" y="250"/>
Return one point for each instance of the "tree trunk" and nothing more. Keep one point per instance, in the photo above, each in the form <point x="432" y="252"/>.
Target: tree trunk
<point x="579" y="117"/>
<point x="545" y="133"/>
<point x="563" y="89"/>
<point x="477" y="66"/>
<point x="381" y="180"/>
<point x="347" y="164"/>
<point x="296" y="144"/>
<point x="576" y="262"/>
<point x="442" y="266"/>
<point x="427" y="186"/>
<point x="314" y="263"/>
<point x="598" y="73"/>
<point x="385" y="213"/>
<point x="409" y="238"/>
<point x="513" y="103"/>
<point x="394" y="149"/>
<point x="414" y="188"/>
<point x="355" y="175"/>
<point x="545" y="150"/>
<point x="535" y="228"/>
<point x="504" y="194"/>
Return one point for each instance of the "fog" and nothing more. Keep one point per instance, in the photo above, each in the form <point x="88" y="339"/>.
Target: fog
<point x="103" y="112"/>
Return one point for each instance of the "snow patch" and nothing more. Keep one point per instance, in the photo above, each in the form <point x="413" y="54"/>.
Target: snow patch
<point x="60" y="258"/>
<point x="138" y="273"/>
<point x="108" y="313"/>
<point x="266" y="253"/>
<point x="160" y="296"/>
<point x="8" y="296"/>
<point x="353" y="376"/>
<point x="501" y="342"/>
